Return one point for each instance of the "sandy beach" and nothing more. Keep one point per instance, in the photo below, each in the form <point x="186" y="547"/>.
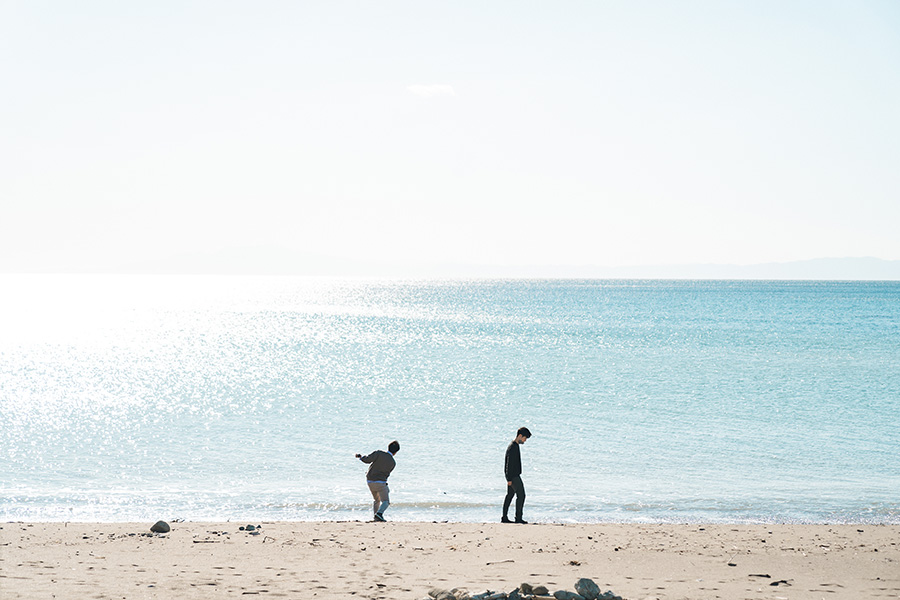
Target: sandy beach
<point x="406" y="560"/>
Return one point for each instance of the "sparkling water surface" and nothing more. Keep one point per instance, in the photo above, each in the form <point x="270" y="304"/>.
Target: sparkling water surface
<point x="245" y="398"/>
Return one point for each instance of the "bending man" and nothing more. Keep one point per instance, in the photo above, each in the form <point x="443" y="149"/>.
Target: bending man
<point x="381" y="464"/>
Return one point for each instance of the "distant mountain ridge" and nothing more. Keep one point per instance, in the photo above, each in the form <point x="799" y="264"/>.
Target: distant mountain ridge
<point x="279" y="261"/>
<point x="852" y="269"/>
<point x="274" y="261"/>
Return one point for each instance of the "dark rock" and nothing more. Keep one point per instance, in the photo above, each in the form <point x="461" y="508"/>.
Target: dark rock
<point x="567" y="595"/>
<point x="587" y="588"/>
<point x="160" y="527"/>
<point x="440" y="594"/>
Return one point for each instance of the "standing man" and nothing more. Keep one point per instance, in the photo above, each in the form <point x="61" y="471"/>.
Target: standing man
<point x="381" y="464"/>
<point x="513" y="470"/>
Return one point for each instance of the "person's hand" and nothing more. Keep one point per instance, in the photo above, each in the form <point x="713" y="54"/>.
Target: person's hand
<point x="509" y="483"/>
<point x="359" y="456"/>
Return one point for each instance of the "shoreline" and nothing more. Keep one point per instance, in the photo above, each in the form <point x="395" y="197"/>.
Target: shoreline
<point x="399" y="559"/>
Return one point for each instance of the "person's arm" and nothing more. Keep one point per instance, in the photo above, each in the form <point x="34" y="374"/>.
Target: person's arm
<point x="513" y="463"/>
<point x="366" y="459"/>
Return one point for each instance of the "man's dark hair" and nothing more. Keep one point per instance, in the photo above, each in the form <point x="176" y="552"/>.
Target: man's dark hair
<point x="394" y="447"/>
<point x="524" y="431"/>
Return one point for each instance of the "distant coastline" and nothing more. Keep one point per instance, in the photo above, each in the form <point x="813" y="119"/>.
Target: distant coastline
<point x="281" y="262"/>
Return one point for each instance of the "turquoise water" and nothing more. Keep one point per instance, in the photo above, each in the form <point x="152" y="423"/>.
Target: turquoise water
<point x="245" y="398"/>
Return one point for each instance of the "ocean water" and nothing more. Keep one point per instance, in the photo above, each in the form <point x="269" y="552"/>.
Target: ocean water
<point x="245" y="398"/>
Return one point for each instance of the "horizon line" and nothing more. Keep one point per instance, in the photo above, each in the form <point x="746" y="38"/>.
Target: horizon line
<point x="817" y="269"/>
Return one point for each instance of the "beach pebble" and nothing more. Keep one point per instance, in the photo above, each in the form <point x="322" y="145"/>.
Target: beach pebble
<point x="540" y="590"/>
<point x="461" y="594"/>
<point x="587" y="588"/>
<point x="160" y="527"/>
<point x="567" y="595"/>
<point x="441" y="594"/>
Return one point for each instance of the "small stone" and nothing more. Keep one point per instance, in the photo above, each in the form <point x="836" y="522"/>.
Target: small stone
<point x="440" y="594"/>
<point x="250" y="528"/>
<point x="540" y="590"/>
<point x="526" y="588"/>
<point x="587" y="588"/>
<point x="160" y="527"/>
<point x="461" y="594"/>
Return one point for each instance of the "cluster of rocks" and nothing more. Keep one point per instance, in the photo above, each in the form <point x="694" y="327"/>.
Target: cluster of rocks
<point x="585" y="589"/>
<point x="161" y="527"/>
<point x="251" y="529"/>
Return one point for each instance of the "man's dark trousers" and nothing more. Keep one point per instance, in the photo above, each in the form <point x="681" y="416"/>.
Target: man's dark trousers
<point x="517" y="489"/>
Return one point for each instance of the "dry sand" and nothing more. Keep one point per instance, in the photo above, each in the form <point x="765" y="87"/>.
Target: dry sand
<point x="404" y="560"/>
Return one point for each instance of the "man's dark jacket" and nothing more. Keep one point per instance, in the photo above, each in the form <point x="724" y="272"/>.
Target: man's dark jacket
<point x="513" y="462"/>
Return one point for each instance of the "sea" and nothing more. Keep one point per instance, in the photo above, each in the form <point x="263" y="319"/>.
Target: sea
<point x="246" y="399"/>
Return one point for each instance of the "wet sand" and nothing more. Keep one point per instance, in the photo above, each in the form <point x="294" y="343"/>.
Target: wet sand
<point x="405" y="560"/>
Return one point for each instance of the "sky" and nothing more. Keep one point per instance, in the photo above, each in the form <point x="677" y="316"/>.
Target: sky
<point x="618" y="133"/>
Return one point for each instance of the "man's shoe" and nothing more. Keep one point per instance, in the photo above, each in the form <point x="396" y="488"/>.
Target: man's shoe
<point x="379" y="518"/>
<point x="505" y="520"/>
<point x="521" y="521"/>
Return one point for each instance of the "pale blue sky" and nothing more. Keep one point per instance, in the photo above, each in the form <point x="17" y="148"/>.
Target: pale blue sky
<point x="507" y="133"/>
